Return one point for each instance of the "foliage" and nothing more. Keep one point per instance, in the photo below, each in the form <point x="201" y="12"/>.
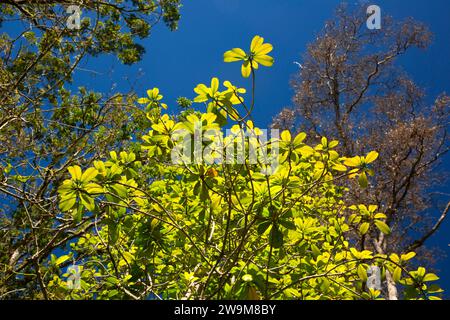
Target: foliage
<point x="257" y="55"/>
<point x="48" y="125"/>
<point x="209" y="229"/>
<point x="349" y="88"/>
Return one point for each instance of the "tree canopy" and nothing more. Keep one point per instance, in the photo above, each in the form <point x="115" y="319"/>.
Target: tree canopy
<point x="194" y="214"/>
<point x="112" y="197"/>
<point x="47" y="124"/>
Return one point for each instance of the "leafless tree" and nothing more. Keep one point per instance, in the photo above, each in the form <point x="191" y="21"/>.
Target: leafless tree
<point x="349" y="88"/>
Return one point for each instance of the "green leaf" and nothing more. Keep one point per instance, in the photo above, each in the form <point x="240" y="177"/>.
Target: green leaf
<point x="397" y="274"/>
<point x="340" y="167"/>
<point x="363" y="228"/>
<point x="21" y="178"/>
<point x="276" y="237"/>
<point x="247" y="278"/>
<point x="77" y="213"/>
<point x="333" y="144"/>
<point x="143" y="100"/>
<point x="430" y="277"/>
<point x="66" y="187"/>
<point x="113" y="293"/>
<point x="94" y="188"/>
<point x="394" y="257"/>
<point x="114" y="232"/>
<point x="299" y="138"/>
<point x="67" y="203"/>
<point x="112" y="280"/>
<point x="62" y="259"/>
<point x="371" y="157"/>
<point x="113" y="155"/>
<point x="325" y="285"/>
<point x="288" y="224"/>
<point x="316" y="251"/>
<point x="408" y="256"/>
<point x="120" y="190"/>
<point x="87" y="201"/>
<point x="380" y="216"/>
<point x="353" y="162"/>
<point x="204" y="194"/>
<point x="362" y="180"/>
<point x="421" y="272"/>
<point x="362" y="273"/>
<point x="434" y="288"/>
<point x="305" y="151"/>
<point x="89" y="175"/>
<point x="262" y="227"/>
<point x="286" y="136"/>
<point x="75" y="172"/>
<point x="128" y="256"/>
<point x="383" y="227"/>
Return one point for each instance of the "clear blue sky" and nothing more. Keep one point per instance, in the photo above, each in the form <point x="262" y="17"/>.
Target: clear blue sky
<point x="177" y="61"/>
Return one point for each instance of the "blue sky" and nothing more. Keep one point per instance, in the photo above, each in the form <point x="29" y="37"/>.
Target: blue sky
<point x="177" y="61"/>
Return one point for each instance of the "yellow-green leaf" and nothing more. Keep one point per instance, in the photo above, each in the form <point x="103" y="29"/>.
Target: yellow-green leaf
<point x="62" y="259"/>
<point x="299" y="138"/>
<point x="383" y="227"/>
<point x="89" y="175"/>
<point x="371" y="157"/>
<point x="75" y="172"/>
<point x="94" y="188"/>
<point x="340" y="167"/>
<point x="362" y="273"/>
<point x="353" y="162"/>
<point x="397" y="274"/>
<point x="87" y="201"/>
<point x="257" y="41"/>
<point x="362" y="180"/>
<point x="143" y="100"/>
<point x="67" y="203"/>
<point x="306" y="151"/>
<point x="246" y="69"/>
<point x="247" y="278"/>
<point x="430" y="277"/>
<point x="264" y="49"/>
<point x="234" y="54"/>
<point x="408" y="256"/>
<point x="363" y="228"/>
<point x="264" y="60"/>
<point x="286" y="136"/>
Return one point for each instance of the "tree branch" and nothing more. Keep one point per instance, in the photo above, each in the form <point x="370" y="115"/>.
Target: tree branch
<point x="418" y="243"/>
